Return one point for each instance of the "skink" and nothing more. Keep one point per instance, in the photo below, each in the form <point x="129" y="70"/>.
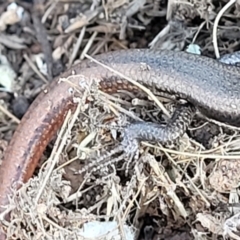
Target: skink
<point x="211" y="86"/>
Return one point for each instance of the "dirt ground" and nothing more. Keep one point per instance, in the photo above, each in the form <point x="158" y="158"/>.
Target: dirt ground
<point x="185" y="191"/>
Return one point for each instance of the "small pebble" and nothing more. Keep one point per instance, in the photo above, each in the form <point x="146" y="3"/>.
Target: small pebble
<point x="20" y="106"/>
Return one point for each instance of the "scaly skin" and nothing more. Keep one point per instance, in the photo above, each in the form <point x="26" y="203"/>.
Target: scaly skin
<point x="213" y="87"/>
